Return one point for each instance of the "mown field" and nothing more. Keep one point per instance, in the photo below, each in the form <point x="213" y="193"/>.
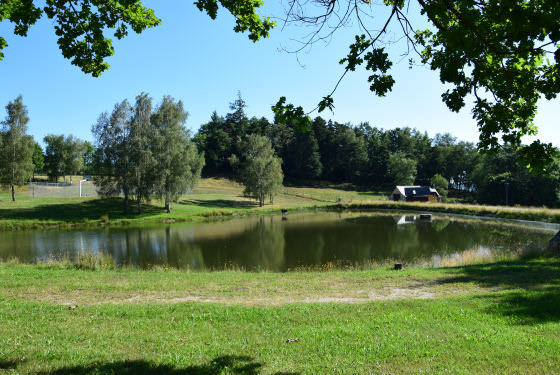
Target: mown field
<point x="500" y="318"/>
<point x="220" y="197"/>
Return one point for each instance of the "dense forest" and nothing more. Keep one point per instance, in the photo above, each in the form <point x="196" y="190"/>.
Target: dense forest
<point x="328" y="152"/>
<point x="371" y="157"/>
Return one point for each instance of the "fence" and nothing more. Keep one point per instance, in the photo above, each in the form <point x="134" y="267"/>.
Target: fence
<point x="51" y="189"/>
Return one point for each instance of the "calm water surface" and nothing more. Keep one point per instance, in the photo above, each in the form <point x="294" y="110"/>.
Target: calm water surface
<point x="305" y="240"/>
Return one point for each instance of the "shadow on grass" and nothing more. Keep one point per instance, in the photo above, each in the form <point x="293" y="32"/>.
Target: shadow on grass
<point x="533" y="307"/>
<point x="219" y="203"/>
<point x="529" y="288"/>
<point x="234" y="364"/>
<point x="90" y="209"/>
<point x="8" y="365"/>
<point x="531" y="274"/>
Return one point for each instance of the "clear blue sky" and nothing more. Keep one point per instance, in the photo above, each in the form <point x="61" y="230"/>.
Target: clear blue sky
<point x="204" y="63"/>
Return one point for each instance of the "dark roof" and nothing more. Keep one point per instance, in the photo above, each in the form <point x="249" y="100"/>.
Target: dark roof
<point x="418" y="191"/>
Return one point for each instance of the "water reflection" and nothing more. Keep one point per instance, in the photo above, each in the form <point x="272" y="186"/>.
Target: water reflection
<point x="268" y="242"/>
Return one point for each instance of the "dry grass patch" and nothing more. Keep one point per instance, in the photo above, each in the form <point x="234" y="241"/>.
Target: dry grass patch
<point x="76" y="287"/>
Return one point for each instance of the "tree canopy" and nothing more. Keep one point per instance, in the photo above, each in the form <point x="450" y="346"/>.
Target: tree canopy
<point x="401" y="169"/>
<point x="64" y="156"/>
<point x="141" y="151"/>
<point x="82" y="26"/>
<point x="502" y="56"/>
<point x="262" y="171"/>
<point x="38" y="158"/>
<point x="441" y="184"/>
<point x="178" y="162"/>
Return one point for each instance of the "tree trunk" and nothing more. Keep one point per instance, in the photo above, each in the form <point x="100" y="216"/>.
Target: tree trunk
<point x="139" y="205"/>
<point x="13" y="194"/>
<point x="167" y="204"/>
<point x="126" y="208"/>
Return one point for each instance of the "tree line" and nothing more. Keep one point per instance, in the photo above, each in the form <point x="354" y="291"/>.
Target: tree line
<point x="143" y="151"/>
<point x="321" y="151"/>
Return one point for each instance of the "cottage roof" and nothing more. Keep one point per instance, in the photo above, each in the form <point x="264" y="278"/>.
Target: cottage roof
<point x="418" y="191"/>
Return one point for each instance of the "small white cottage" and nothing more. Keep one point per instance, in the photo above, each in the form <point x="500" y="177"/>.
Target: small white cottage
<point x="415" y="194"/>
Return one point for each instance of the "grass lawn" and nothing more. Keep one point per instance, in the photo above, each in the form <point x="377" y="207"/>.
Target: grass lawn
<point x="219" y="197"/>
<point x="501" y="318"/>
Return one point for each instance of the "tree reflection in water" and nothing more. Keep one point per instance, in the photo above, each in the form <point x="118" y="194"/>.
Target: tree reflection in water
<point x="270" y="243"/>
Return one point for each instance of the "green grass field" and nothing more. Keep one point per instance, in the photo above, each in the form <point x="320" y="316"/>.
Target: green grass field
<point x="64" y="318"/>
<point x="219" y="197"/>
<point x="501" y="318"/>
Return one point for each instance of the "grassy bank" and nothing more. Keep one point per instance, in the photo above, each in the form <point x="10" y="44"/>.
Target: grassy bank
<point x="487" y="319"/>
<point x="216" y="198"/>
<point x="505" y="212"/>
<point x="211" y="198"/>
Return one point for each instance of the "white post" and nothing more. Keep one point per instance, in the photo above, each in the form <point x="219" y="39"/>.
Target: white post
<point x="81" y="186"/>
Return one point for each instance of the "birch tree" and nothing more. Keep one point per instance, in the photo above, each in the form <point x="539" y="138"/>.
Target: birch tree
<point x="142" y="159"/>
<point x="141" y="152"/>
<point x="262" y="172"/>
<point x="178" y="162"/>
<point x="113" y="152"/>
<point x="16" y="147"/>
<point x="73" y="156"/>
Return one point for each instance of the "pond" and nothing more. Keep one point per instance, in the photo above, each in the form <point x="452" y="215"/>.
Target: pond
<point x="314" y="240"/>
